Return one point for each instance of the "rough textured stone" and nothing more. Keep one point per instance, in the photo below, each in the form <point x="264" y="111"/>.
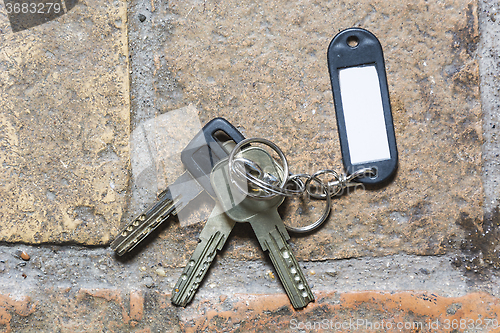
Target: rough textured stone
<point x="64" y="126"/>
<point x="263" y="67"/>
<point x="111" y="310"/>
<point x="349" y="312"/>
<point x="490" y="95"/>
<point x="88" y="289"/>
<point x="81" y="289"/>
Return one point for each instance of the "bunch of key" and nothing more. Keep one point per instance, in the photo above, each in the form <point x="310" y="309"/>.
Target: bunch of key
<point x="248" y="184"/>
<point x="206" y="160"/>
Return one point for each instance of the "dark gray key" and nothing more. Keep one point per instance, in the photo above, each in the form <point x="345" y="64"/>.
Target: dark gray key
<point x="199" y="157"/>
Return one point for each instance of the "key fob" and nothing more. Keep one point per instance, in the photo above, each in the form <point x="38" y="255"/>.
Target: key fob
<point x="362" y="105"/>
<point x="205" y="150"/>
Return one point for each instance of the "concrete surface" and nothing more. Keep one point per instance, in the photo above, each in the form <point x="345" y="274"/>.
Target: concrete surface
<point x="263" y="67"/>
<point x="421" y="255"/>
<point x="65" y="126"/>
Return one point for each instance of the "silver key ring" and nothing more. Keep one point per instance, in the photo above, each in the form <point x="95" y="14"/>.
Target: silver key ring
<point x="326" y="212"/>
<point x="254" y="180"/>
<point x="274" y="190"/>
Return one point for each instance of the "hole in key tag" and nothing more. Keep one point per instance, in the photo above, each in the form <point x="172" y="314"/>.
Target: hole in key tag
<point x="362" y="105"/>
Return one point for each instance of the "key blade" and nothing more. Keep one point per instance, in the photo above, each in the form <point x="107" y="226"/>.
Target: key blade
<point x="143" y="225"/>
<point x="212" y="239"/>
<point x="273" y="237"/>
<point x="196" y="269"/>
<point x="170" y="202"/>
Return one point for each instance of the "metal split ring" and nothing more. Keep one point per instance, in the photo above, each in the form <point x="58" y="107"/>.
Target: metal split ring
<point x="322" y="218"/>
<point x="272" y="190"/>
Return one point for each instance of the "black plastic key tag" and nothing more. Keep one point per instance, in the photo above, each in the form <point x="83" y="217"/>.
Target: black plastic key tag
<point x="362" y="105"/>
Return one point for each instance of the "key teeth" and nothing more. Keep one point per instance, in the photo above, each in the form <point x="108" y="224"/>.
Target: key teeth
<point x="300" y="294"/>
<point x="132" y="235"/>
<point x="193" y="273"/>
<point x="183" y="298"/>
<point x="131" y="243"/>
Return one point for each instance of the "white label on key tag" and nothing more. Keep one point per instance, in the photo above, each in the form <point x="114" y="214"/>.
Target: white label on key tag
<point x="363" y="114"/>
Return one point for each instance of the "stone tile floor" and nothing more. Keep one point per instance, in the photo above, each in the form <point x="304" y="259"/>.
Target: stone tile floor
<point x="432" y="263"/>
